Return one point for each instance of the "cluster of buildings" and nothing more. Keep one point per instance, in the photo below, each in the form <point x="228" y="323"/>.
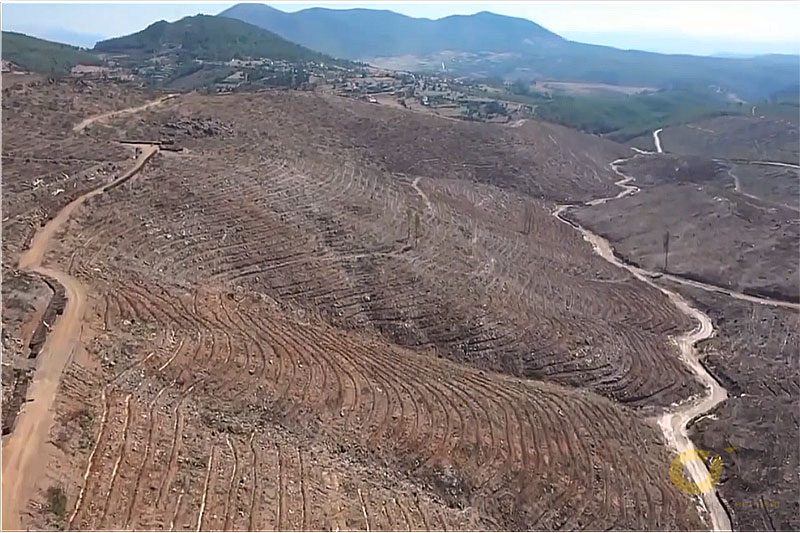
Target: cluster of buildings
<point x="457" y="98"/>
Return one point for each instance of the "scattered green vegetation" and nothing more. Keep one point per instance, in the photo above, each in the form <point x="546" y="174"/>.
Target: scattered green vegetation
<point x="206" y="77"/>
<point x="42" y="56"/>
<point x="56" y="506"/>
<point x="621" y="116"/>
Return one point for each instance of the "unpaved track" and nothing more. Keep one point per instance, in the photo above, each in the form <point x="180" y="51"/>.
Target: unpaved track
<point x="622" y="183"/>
<point x="774" y="164"/>
<point x="632" y="189"/>
<point x="673" y="422"/>
<point x="727" y="292"/>
<point x="737" y="186"/>
<point x="23" y="450"/>
<point x="657" y="140"/>
<point x="120" y="113"/>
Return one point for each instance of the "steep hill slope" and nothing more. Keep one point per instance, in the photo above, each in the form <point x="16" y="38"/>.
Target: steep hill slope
<point x="211" y="39"/>
<point x="265" y="348"/>
<point x="39" y="55"/>
<point x="529" y="50"/>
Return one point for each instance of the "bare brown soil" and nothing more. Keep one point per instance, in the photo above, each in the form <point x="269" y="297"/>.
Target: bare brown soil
<point x="267" y="344"/>
<point x="734" y="223"/>
<point x="675" y="420"/>
<point x="45" y="166"/>
<point x="732" y="137"/>
<point x="326" y="231"/>
<point x="717" y="234"/>
<point x="44" y="169"/>
<point x="776" y="186"/>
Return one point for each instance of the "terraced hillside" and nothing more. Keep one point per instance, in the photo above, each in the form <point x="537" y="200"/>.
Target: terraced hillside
<point x="270" y="339"/>
<point x="44" y="164"/>
<point x="315" y="413"/>
<point x="325" y="229"/>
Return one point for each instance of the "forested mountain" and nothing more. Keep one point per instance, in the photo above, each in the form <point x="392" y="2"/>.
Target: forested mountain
<point x="486" y="44"/>
<point x="47" y="57"/>
<point x="209" y="38"/>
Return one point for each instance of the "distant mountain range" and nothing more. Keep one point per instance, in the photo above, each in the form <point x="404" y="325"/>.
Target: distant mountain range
<point x="177" y="45"/>
<point x="483" y="45"/>
<point x="490" y="45"/>
<point x="663" y="42"/>
<point x="366" y="33"/>
<point x="208" y="38"/>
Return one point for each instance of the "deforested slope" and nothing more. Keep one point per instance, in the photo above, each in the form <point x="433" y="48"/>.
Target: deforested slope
<point x="272" y="341"/>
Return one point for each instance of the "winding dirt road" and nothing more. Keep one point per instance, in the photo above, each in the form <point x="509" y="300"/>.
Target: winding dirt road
<point x="673" y="423"/>
<point x="632" y="189"/>
<point x="120" y="113"/>
<point x="627" y="190"/>
<point x="24" y="449"/>
<point x="422" y="194"/>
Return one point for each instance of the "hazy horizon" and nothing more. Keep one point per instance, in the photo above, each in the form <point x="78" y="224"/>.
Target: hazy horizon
<point x="746" y="28"/>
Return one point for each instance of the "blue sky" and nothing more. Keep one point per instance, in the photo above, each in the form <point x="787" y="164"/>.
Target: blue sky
<point x="702" y="27"/>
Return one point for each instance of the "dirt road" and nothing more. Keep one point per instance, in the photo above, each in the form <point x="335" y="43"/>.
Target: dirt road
<point x="120" y="113"/>
<point x="722" y="290"/>
<point x="422" y="194"/>
<point x="632" y="189"/>
<point x="774" y="164"/>
<point x="673" y="422"/>
<point x="23" y="449"/>
<point x="657" y="140"/>
<point x="737" y="186"/>
<point x="623" y="183"/>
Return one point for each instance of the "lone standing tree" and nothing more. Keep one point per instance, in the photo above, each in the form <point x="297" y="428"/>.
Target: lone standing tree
<point x="666" y="249"/>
